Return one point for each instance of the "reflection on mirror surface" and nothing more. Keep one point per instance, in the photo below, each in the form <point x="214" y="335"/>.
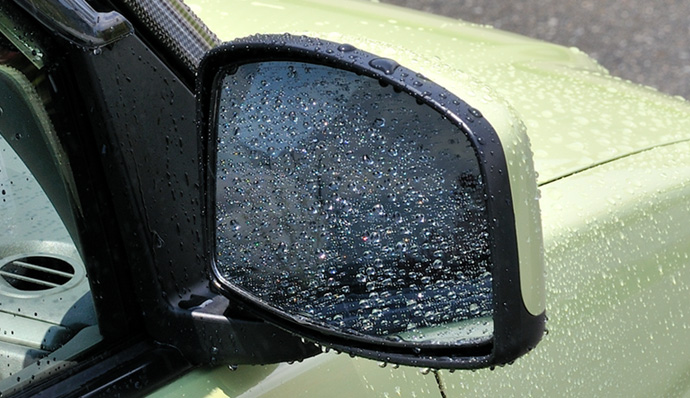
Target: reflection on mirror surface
<point x="347" y="203"/>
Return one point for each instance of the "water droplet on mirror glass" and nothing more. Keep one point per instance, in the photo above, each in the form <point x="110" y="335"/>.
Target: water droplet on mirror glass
<point x="362" y="212"/>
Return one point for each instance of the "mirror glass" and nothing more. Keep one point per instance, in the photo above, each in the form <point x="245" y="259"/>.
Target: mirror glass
<point x="349" y="205"/>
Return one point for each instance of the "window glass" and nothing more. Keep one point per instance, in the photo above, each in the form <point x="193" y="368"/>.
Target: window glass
<point x="46" y="310"/>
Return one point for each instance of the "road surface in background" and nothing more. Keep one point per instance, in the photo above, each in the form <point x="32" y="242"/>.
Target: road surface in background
<point x="647" y="42"/>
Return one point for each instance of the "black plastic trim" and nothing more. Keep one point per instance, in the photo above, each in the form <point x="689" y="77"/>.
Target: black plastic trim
<point x="145" y="139"/>
<point x="126" y="360"/>
<point x="516" y="331"/>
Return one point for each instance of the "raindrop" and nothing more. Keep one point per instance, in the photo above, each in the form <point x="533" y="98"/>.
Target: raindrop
<point x="475" y="113"/>
<point x="385" y="65"/>
<point x="346" y="48"/>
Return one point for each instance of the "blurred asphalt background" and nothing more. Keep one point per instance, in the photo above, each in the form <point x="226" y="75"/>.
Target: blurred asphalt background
<point x="647" y="42"/>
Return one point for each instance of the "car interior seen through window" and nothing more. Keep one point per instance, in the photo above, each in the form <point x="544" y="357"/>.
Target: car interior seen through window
<point x="46" y="310"/>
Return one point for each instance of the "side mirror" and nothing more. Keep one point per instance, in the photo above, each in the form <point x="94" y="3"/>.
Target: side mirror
<point x="361" y="206"/>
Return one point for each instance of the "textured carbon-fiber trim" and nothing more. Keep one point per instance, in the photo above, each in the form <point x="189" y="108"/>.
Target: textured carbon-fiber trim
<point x="176" y="26"/>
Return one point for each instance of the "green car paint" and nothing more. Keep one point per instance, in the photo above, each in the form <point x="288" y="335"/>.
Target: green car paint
<point x="570" y="105"/>
<point x="614" y="165"/>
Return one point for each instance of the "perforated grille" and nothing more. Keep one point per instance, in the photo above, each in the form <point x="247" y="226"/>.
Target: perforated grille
<point x="37" y="273"/>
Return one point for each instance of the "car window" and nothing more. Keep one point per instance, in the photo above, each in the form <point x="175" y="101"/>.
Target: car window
<point x="46" y="310"/>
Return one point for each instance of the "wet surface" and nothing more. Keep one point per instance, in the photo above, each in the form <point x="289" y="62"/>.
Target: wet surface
<point x="646" y="42"/>
<point x="364" y="207"/>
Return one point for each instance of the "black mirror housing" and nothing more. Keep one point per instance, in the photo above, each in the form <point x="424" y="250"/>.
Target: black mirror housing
<point x="357" y="204"/>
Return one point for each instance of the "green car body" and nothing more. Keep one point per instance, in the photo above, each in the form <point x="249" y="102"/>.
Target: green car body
<point x="612" y="164"/>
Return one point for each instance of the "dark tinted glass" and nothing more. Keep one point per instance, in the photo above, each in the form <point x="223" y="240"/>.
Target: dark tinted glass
<point x="347" y="203"/>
